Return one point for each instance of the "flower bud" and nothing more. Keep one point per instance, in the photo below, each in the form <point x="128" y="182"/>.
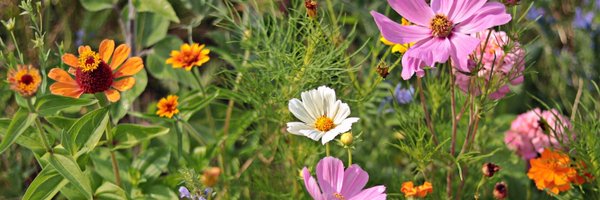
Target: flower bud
<point x="10" y="24"/>
<point x="347" y="138"/>
<point x="500" y="190"/>
<point x="210" y="176"/>
<point x="383" y="70"/>
<point x="311" y="8"/>
<point x="489" y="169"/>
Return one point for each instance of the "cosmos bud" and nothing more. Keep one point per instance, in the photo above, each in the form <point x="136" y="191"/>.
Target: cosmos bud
<point x="347" y="138"/>
<point x="500" y="190"/>
<point x="383" y="70"/>
<point x="489" y="169"/>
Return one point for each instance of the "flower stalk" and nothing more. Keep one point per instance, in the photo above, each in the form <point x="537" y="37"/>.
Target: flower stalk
<point x="38" y="125"/>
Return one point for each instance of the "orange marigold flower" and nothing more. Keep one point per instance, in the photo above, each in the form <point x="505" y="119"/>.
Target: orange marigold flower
<point x="189" y="56"/>
<point x="25" y="80"/>
<point x="167" y="107"/>
<point x="421" y="191"/>
<point x="553" y="171"/>
<point x="94" y="73"/>
<point x="210" y="176"/>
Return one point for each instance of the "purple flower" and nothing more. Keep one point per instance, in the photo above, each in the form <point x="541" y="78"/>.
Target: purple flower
<point x="583" y="20"/>
<point x="403" y="95"/>
<point x="441" y="31"/>
<point x="184" y="192"/>
<point x="534" y="13"/>
<point x="335" y="183"/>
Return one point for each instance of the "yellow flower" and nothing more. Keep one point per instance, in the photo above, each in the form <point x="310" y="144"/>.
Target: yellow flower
<point x="189" y="56"/>
<point x="421" y="191"/>
<point x="167" y="107"/>
<point x="25" y="80"/>
<point x="400" y="48"/>
<point x="92" y="72"/>
<point x="553" y="171"/>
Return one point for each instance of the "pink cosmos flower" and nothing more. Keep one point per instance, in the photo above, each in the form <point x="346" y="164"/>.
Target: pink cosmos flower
<point x="440" y="31"/>
<point x="337" y="184"/>
<point x="502" y="58"/>
<point x="531" y="132"/>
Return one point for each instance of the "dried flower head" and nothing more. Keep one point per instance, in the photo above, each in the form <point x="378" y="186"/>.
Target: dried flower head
<point x="311" y="8"/>
<point x="489" y="169"/>
<point x="500" y="190"/>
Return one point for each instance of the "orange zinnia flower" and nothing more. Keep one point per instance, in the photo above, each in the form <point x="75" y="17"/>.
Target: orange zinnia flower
<point x="25" y="80"/>
<point x="553" y="171"/>
<point x="189" y="56"/>
<point x="421" y="191"/>
<point x="94" y="73"/>
<point x="167" y="107"/>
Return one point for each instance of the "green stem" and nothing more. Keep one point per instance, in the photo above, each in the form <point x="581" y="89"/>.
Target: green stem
<point x="208" y="112"/>
<point x="179" y="138"/>
<point x="327" y="149"/>
<point x="38" y="125"/>
<point x="12" y="35"/>
<point x="349" y="156"/>
<point x="104" y="103"/>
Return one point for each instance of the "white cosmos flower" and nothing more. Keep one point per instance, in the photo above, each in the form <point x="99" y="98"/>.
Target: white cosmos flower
<point x="321" y="114"/>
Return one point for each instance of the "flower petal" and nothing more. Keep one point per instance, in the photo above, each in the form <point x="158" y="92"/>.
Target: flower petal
<point x="131" y="67"/>
<point x="462" y="46"/>
<point x="311" y="185"/>
<point x="374" y="193"/>
<point x="60" y="75"/>
<point x="330" y="175"/>
<point x="342" y="113"/>
<point x="464" y="9"/>
<point x="415" y="11"/>
<point x="432" y="51"/>
<point x="346" y="125"/>
<point x="124" y="84"/>
<point x="106" y="49"/>
<point x="70" y="60"/>
<point x="313" y="103"/>
<point x="66" y="89"/>
<point x="397" y="33"/>
<point x="328" y="98"/>
<point x="121" y="53"/>
<point x="490" y="15"/>
<point x="296" y="127"/>
<point x="313" y="134"/>
<point x="411" y="65"/>
<point x="83" y="49"/>
<point x="112" y="95"/>
<point x="355" y="179"/>
<point x="298" y="109"/>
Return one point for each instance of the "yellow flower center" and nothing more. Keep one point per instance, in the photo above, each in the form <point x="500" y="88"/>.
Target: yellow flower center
<point x="324" y="123"/>
<point x="338" y="196"/>
<point x="440" y="26"/>
<point x="89" y="61"/>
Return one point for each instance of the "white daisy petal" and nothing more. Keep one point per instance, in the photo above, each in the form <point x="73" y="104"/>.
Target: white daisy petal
<point x="342" y="113"/>
<point x="296" y="127"/>
<point x="333" y="109"/>
<point x="299" y="111"/>
<point x="330" y="135"/>
<point x="313" y="134"/>
<point x="311" y="104"/>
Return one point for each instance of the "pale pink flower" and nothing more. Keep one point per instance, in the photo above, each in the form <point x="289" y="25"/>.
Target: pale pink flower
<point x="336" y="184"/>
<point x="440" y="31"/>
<point x="531" y="132"/>
<point x="502" y="57"/>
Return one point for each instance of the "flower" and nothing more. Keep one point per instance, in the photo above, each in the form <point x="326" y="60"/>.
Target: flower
<point x="189" y="56"/>
<point x="440" y="31"/>
<point x="553" y="171"/>
<point x="421" y="191"/>
<point x="500" y="190"/>
<point x="400" y="48"/>
<point x="167" y="107"/>
<point x="337" y="184"/>
<point x="502" y="60"/>
<point x="25" y="80"/>
<point x="93" y="73"/>
<point x="536" y="130"/>
<point x="210" y="176"/>
<point x="404" y="96"/>
<point x="489" y="169"/>
<point x="321" y="115"/>
<point x="184" y="192"/>
<point x="583" y="20"/>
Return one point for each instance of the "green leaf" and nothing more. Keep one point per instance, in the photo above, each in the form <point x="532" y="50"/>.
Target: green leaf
<point x="129" y="135"/>
<point x="120" y="109"/>
<point x="152" y="162"/>
<point x="68" y="168"/>
<point x="86" y="132"/>
<point x="151" y="28"/>
<point x="59" y="121"/>
<point x="45" y="185"/>
<point x="51" y="104"/>
<point x="20" y="122"/>
<point x="109" y="191"/>
<point x="160" y="7"/>
<point x="97" y="5"/>
<point x="196" y="103"/>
